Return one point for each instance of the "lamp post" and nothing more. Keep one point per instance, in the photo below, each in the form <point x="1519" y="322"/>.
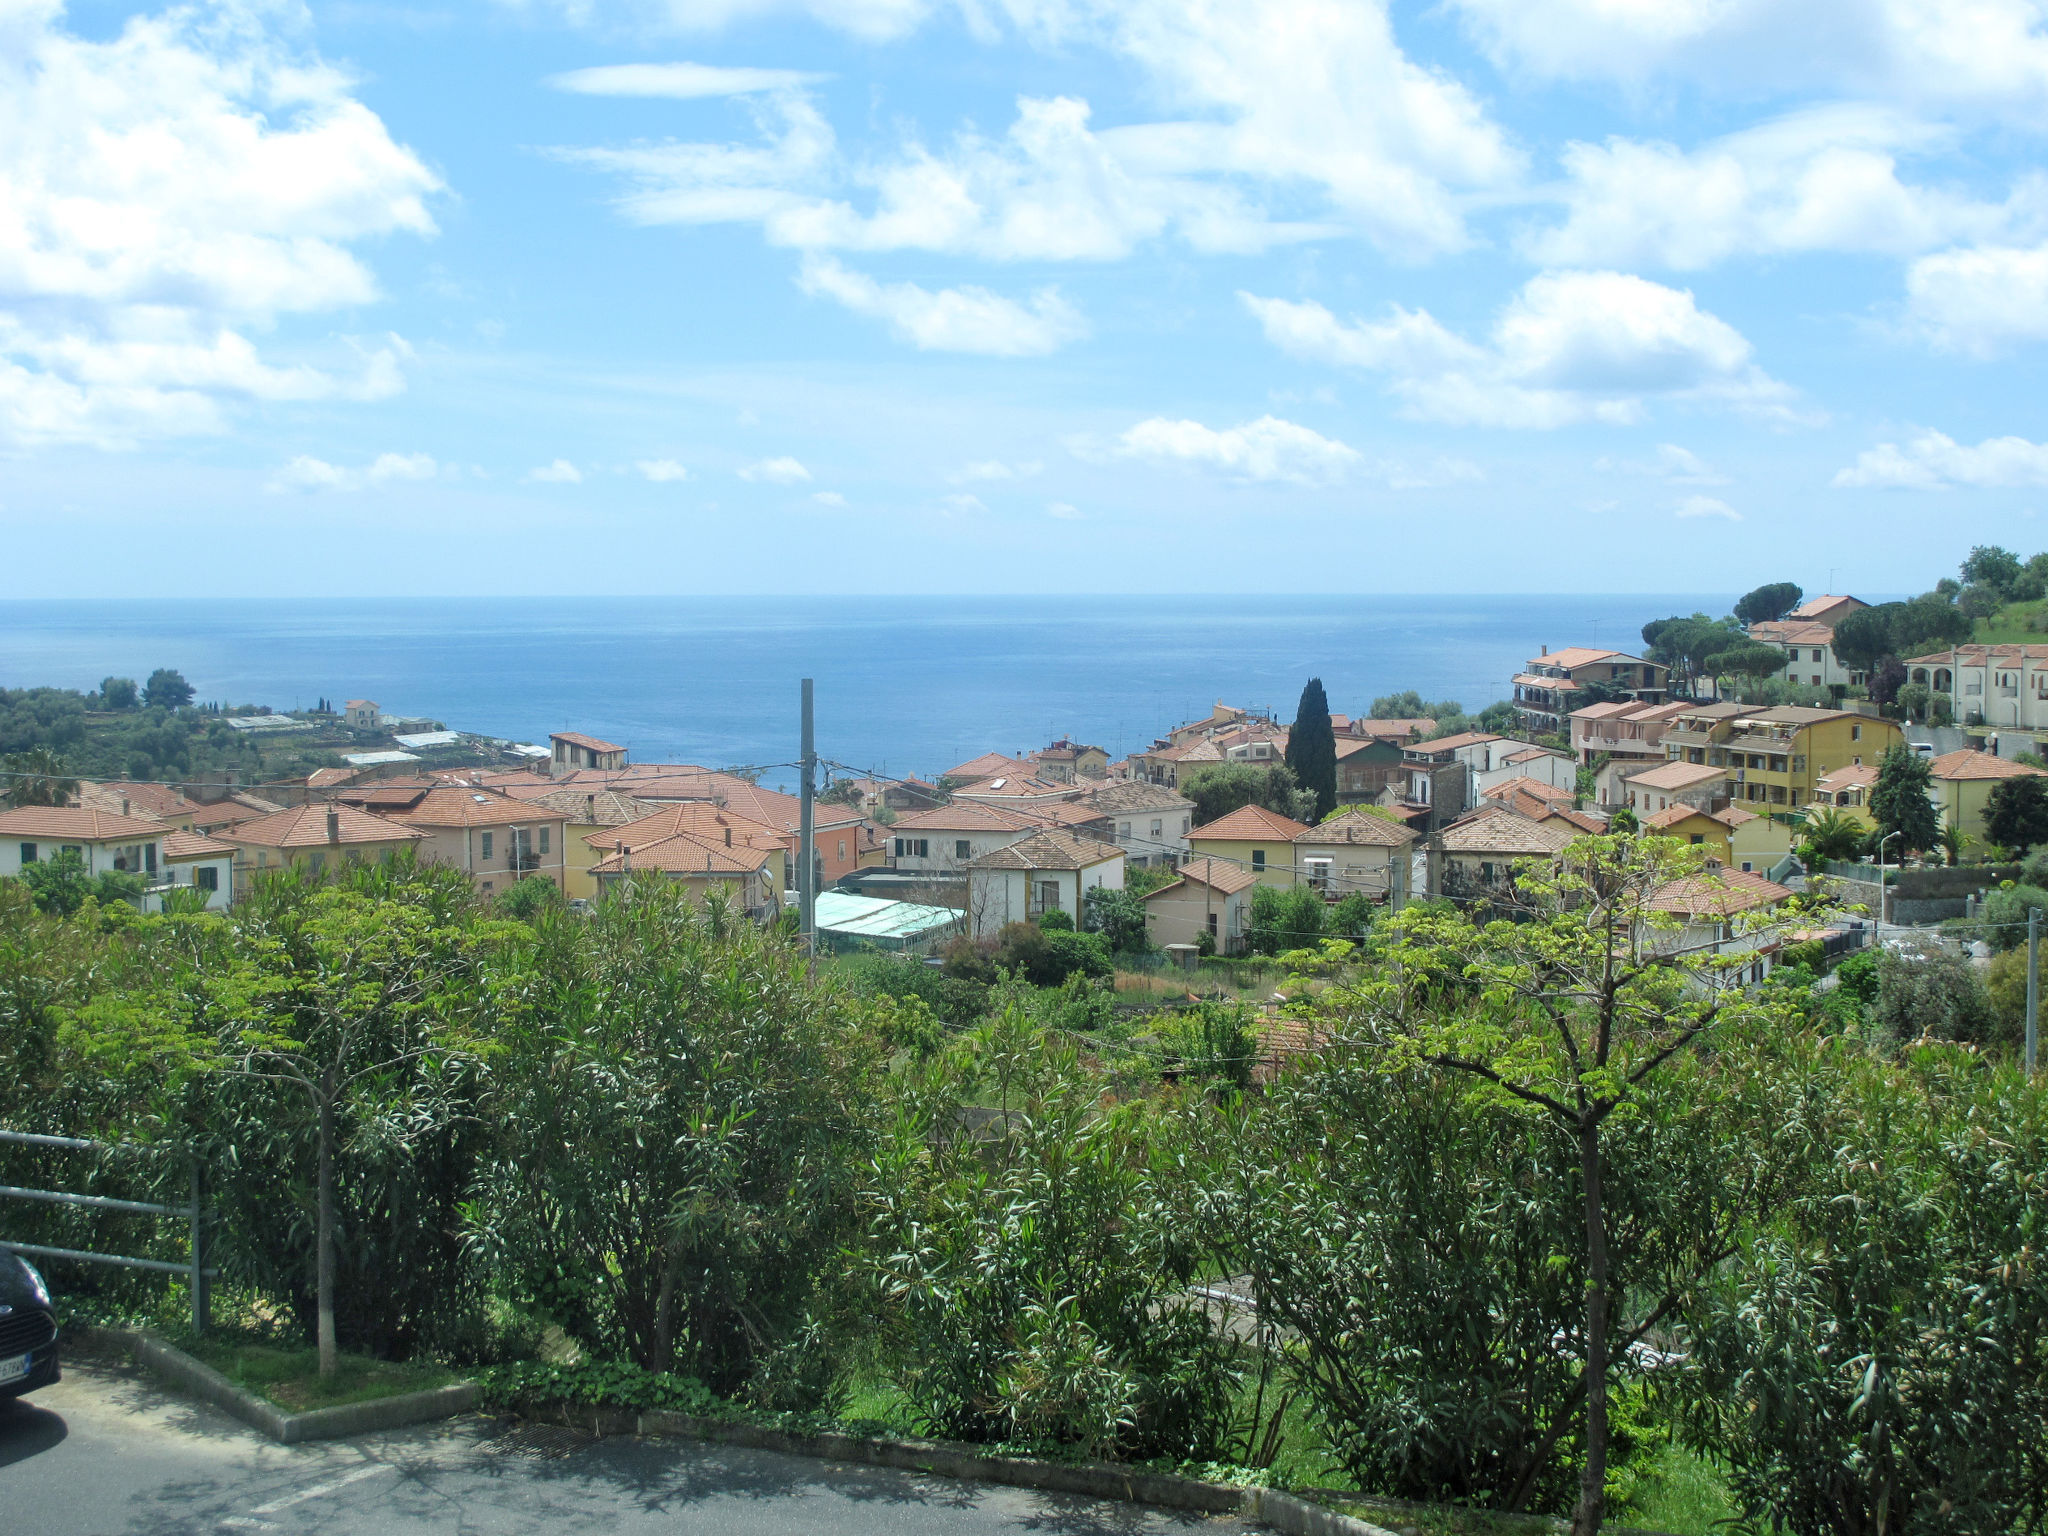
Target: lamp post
<point x="1880" y="881"/>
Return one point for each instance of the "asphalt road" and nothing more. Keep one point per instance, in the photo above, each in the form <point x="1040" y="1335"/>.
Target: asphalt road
<point x="105" y="1453"/>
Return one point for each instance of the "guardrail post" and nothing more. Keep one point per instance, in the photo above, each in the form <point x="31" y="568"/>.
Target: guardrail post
<point x="202" y="1301"/>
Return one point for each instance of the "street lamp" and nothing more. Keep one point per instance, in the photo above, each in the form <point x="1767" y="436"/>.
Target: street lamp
<point x="1880" y="878"/>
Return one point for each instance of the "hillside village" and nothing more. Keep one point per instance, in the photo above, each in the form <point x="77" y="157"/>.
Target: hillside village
<point x="1742" y="752"/>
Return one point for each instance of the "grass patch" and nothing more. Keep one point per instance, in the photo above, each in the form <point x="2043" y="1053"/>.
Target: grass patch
<point x="291" y="1378"/>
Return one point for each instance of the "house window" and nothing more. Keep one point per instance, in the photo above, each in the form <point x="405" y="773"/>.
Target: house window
<point x="962" y="848"/>
<point x="28" y="853"/>
<point x="487" y="846"/>
<point x="1258" y="858"/>
<point x="543" y="839"/>
<point x="1212" y="925"/>
<point x="1123" y="831"/>
<point x="1816" y="657"/>
<point x="912" y="847"/>
<point x="206" y="877"/>
<point x="1855" y="733"/>
<point x="1184" y="820"/>
<point x="1698" y="838"/>
<point x="1156" y="826"/>
<point x="1048" y="896"/>
<point x="1816" y="679"/>
<point x="842" y="850"/>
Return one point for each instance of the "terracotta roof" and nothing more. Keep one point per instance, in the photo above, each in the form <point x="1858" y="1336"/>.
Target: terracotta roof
<point x="1535" y="789"/>
<point x="1214" y="873"/>
<point x="1672" y="815"/>
<point x="1024" y="787"/>
<point x="1048" y="850"/>
<point x="1062" y="813"/>
<point x="1531" y="754"/>
<point x="227" y="813"/>
<point x="1131" y="798"/>
<point x="1366" y="726"/>
<point x="1972" y="764"/>
<point x="1585" y="821"/>
<point x="578" y="739"/>
<point x="692" y="818"/>
<point x="449" y="806"/>
<point x="1717" y="893"/>
<point x="686" y="855"/>
<point x="966" y="816"/>
<point x="1793" y="632"/>
<point x="1496" y="830"/>
<point x="305" y="826"/>
<point x="591" y="807"/>
<point x="1732" y="816"/>
<point x="1675" y="777"/>
<point x="159" y="800"/>
<point x="1250" y="824"/>
<point x="1356" y="826"/>
<point x="190" y="845"/>
<point x="1454" y="743"/>
<point x="1819" y="605"/>
<point x="327" y="778"/>
<point x="1603" y="710"/>
<point x="80" y="823"/>
<point x="1851" y="776"/>
<point x="991" y="765"/>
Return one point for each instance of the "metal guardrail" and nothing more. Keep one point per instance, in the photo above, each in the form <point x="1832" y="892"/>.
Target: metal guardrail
<point x="195" y="1268"/>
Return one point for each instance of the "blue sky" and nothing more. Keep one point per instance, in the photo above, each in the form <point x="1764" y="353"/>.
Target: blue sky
<point x="903" y="296"/>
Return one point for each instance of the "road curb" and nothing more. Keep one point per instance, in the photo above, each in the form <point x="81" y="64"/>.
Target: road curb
<point x="202" y="1381"/>
<point x="1284" y="1512"/>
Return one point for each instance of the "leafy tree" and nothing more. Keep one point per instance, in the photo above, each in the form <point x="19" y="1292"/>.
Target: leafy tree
<point x="118" y="693"/>
<point x="527" y="898"/>
<point x="1913" y="700"/>
<point x="1410" y="705"/>
<point x="1353" y="916"/>
<point x="1899" y="803"/>
<point x="1993" y="567"/>
<point x="58" y="884"/>
<point x="1034" y="1287"/>
<point x="1227" y="787"/>
<point x="1588" y="1021"/>
<point x="166" y="689"/>
<point x="2002" y="919"/>
<point x="2016" y="814"/>
<point x="1747" y="660"/>
<point x="1119" y="916"/>
<point x="1312" y="748"/>
<point x="1284" y="918"/>
<point x="1688" y="644"/>
<point x="690" y="1125"/>
<point x="1865" y="637"/>
<point x="38" y="777"/>
<point x="1886" y="679"/>
<point x="1768" y="603"/>
<point x="1940" y="997"/>
<point x="1874" y="1363"/>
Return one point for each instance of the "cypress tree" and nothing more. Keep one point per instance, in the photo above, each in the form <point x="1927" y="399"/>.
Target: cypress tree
<point x="1312" y="748"/>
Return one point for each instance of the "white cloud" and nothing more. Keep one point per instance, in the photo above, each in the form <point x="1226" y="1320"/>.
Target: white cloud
<point x="1268" y="449"/>
<point x="1570" y="347"/>
<point x="871" y="20"/>
<point x="661" y="471"/>
<point x="1979" y="301"/>
<point x="1065" y="511"/>
<point x="1707" y="506"/>
<point x="306" y="473"/>
<point x="560" y="472"/>
<point x="678" y="82"/>
<point x="1300" y="119"/>
<point x="1820" y="180"/>
<point x="962" y="502"/>
<point x="1987" y="54"/>
<point x="828" y="498"/>
<point x="951" y="319"/>
<point x="161" y="192"/>
<point x="1935" y="461"/>
<point x="1680" y="466"/>
<point x="781" y="471"/>
<point x="993" y="469"/>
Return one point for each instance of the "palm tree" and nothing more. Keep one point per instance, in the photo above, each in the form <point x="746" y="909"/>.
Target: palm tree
<point x="37" y="777"/>
<point x="1954" y="841"/>
<point x="1830" y="834"/>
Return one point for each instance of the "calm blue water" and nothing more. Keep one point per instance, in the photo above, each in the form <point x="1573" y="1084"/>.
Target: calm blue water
<point x="913" y="685"/>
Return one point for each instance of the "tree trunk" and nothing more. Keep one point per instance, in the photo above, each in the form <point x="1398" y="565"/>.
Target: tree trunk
<point x="323" y="1240"/>
<point x="1592" y="1506"/>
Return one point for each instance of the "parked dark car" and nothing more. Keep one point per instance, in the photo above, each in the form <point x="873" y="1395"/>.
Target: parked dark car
<point x="28" y="1329"/>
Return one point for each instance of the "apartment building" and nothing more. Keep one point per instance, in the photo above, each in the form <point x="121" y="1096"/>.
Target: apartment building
<point x="1775" y="759"/>
<point x="1552" y="685"/>
<point x="2004" y="687"/>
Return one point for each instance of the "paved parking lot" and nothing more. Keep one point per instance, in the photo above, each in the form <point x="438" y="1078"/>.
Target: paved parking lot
<point x="106" y="1453"/>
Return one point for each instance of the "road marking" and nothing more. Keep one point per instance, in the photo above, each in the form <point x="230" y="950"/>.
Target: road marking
<point x="320" y="1490"/>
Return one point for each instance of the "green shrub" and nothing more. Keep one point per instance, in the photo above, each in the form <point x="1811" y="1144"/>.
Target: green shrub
<point x="1055" y="921"/>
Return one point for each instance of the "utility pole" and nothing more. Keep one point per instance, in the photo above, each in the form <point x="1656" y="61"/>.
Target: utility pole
<point x="806" y="867"/>
<point x="2033" y="987"/>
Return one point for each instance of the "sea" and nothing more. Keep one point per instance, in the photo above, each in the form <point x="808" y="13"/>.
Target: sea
<point x="903" y="685"/>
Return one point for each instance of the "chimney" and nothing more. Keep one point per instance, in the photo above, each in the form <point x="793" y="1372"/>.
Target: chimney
<point x="333" y="825"/>
<point x="728" y="837"/>
<point x="590" y="808"/>
<point x="124" y="805"/>
<point x="1546" y="649"/>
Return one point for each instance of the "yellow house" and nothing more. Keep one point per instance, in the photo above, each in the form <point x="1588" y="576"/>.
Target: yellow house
<point x="1254" y="839"/>
<point x="705" y="846"/>
<point x="1774" y="759"/>
<point x="1847" y="790"/>
<point x="1710" y="830"/>
<point x="1960" y="784"/>
<point x="321" y="837"/>
<point x="592" y="814"/>
<point x="1755" y="846"/>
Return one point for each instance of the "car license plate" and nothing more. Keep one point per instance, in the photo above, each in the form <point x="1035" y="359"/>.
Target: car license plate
<point x="13" y="1370"/>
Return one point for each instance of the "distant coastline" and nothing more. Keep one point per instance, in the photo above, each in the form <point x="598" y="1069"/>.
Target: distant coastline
<point x="906" y="685"/>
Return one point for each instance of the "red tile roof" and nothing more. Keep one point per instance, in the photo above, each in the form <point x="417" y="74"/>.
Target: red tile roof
<point x="305" y="826"/>
<point x="1048" y="850"/>
<point x="578" y="739"/>
<point x="1250" y="824"/>
<point x="1357" y="826"/>
<point x="693" y="818"/>
<point x="1972" y="764"/>
<point x="452" y="807"/>
<point x="990" y="765"/>
<point x="1717" y="893"/>
<point x="686" y="855"/>
<point x="179" y="846"/>
<point x="77" y="823"/>
<point x="1214" y="873"/>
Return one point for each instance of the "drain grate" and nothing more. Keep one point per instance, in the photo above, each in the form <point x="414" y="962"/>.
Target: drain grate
<point x="538" y="1442"/>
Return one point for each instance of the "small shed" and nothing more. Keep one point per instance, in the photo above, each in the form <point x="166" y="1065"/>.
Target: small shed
<point x="846" y="920"/>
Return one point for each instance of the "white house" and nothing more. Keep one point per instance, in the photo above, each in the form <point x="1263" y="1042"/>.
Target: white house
<point x="1559" y="770"/>
<point x="1210" y="897"/>
<point x="943" y="841"/>
<point x="1357" y="851"/>
<point x="193" y="860"/>
<point x="1716" y="911"/>
<point x="1809" y="648"/>
<point x="1149" y="821"/>
<point x="104" y="841"/>
<point x="2002" y="686"/>
<point x="1658" y="789"/>
<point x="1045" y="872"/>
